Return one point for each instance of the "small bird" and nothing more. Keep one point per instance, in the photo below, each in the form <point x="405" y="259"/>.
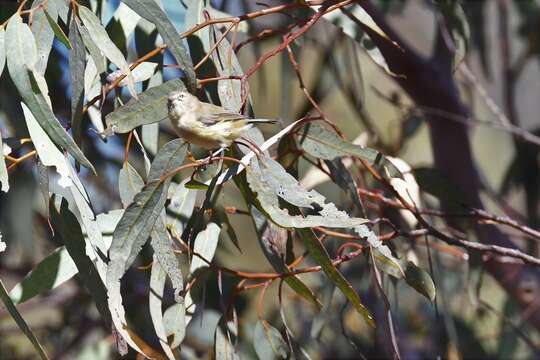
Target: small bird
<point x="206" y="125"/>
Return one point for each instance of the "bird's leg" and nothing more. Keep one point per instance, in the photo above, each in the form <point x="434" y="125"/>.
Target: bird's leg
<point x="190" y="154"/>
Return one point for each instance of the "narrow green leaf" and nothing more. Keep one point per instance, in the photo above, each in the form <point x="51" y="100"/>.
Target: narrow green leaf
<point x="381" y="252"/>
<point x="268" y="342"/>
<point x="57" y="30"/>
<point x="100" y="62"/>
<point x="155" y="296"/>
<point x="269" y="180"/>
<point x="150" y="107"/>
<point x="323" y="143"/>
<point x="104" y="43"/>
<point x="49" y="273"/>
<point x="419" y="279"/>
<point x="319" y="253"/>
<point x="129" y="184"/>
<point x="68" y="228"/>
<point x="150" y="10"/>
<point x="4" y="178"/>
<point x="12" y="309"/>
<point x="77" y="65"/>
<point x="43" y="181"/>
<point x="20" y="45"/>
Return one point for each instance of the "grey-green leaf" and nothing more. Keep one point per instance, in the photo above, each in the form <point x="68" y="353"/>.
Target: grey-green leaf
<point x="51" y="272"/>
<point x="57" y="30"/>
<point x="129" y="183"/>
<point x="150" y="10"/>
<point x="44" y="36"/>
<point x="20" y="45"/>
<point x="205" y="246"/>
<point x="269" y="180"/>
<point x="174" y="320"/>
<point x="225" y="338"/>
<point x="419" y="279"/>
<point x="77" y="65"/>
<point x="150" y="107"/>
<point x="268" y="342"/>
<point x="12" y="309"/>
<point x="100" y="37"/>
<point x="323" y="143"/>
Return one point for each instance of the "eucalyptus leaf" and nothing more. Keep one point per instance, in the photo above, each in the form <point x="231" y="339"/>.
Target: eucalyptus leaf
<point x="129" y="183"/>
<point x="101" y="39"/>
<point x="269" y="180"/>
<point x="43" y="34"/>
<point x="57" y="30"/>
<point x="323" y="143"/>
<point x="419" y="279"/>
<point x="20" y="45"/>
<point x="157" y="287"/>
<point x="99" y="60"/>
<point x="51" y="272"/>
<point x="181" y="207"/>
<point x="150" y="10"/>
<point x="77" y="65"/>
<point x="12" y="309"/>
<point x="150" y="107"/>
<point x="268" y="342"/>
<point x="205" y="246"/>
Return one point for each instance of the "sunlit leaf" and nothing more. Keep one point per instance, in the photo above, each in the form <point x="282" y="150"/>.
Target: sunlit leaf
<point x="270" y="182"/>
<point x="157" y="287"/>
<point x="57" y="30"/>
<point x="181" y="207"/>
<point x="142" y="72"/>
<point x="205" y="246"/>
<point x="175" y="322"/>
<point x="100" y="37"/>
<point x="268" y="342"/>
<point x="49" y="273"/>
<point x="150" y="10"/>
<point x="323" y="143"/>
<point x="99" y="61"/>
<point x="150" y="107"/>
<point x="12" y="309"/>
<point x="20" y="45"/>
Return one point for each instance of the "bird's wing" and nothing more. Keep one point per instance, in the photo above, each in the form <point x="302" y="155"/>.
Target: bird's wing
<point x="212" y="119"/>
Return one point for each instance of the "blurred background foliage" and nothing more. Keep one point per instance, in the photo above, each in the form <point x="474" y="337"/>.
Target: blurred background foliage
<point x="472" y="317"/>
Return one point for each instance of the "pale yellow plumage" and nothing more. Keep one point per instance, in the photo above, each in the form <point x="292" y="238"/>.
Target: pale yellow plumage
<point x="206" y="125"/>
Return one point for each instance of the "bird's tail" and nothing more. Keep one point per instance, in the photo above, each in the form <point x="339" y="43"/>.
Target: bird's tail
<point x="263" y="121"/>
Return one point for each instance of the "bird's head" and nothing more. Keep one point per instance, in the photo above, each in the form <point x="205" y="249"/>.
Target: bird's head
<point x="181" y="101"/>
